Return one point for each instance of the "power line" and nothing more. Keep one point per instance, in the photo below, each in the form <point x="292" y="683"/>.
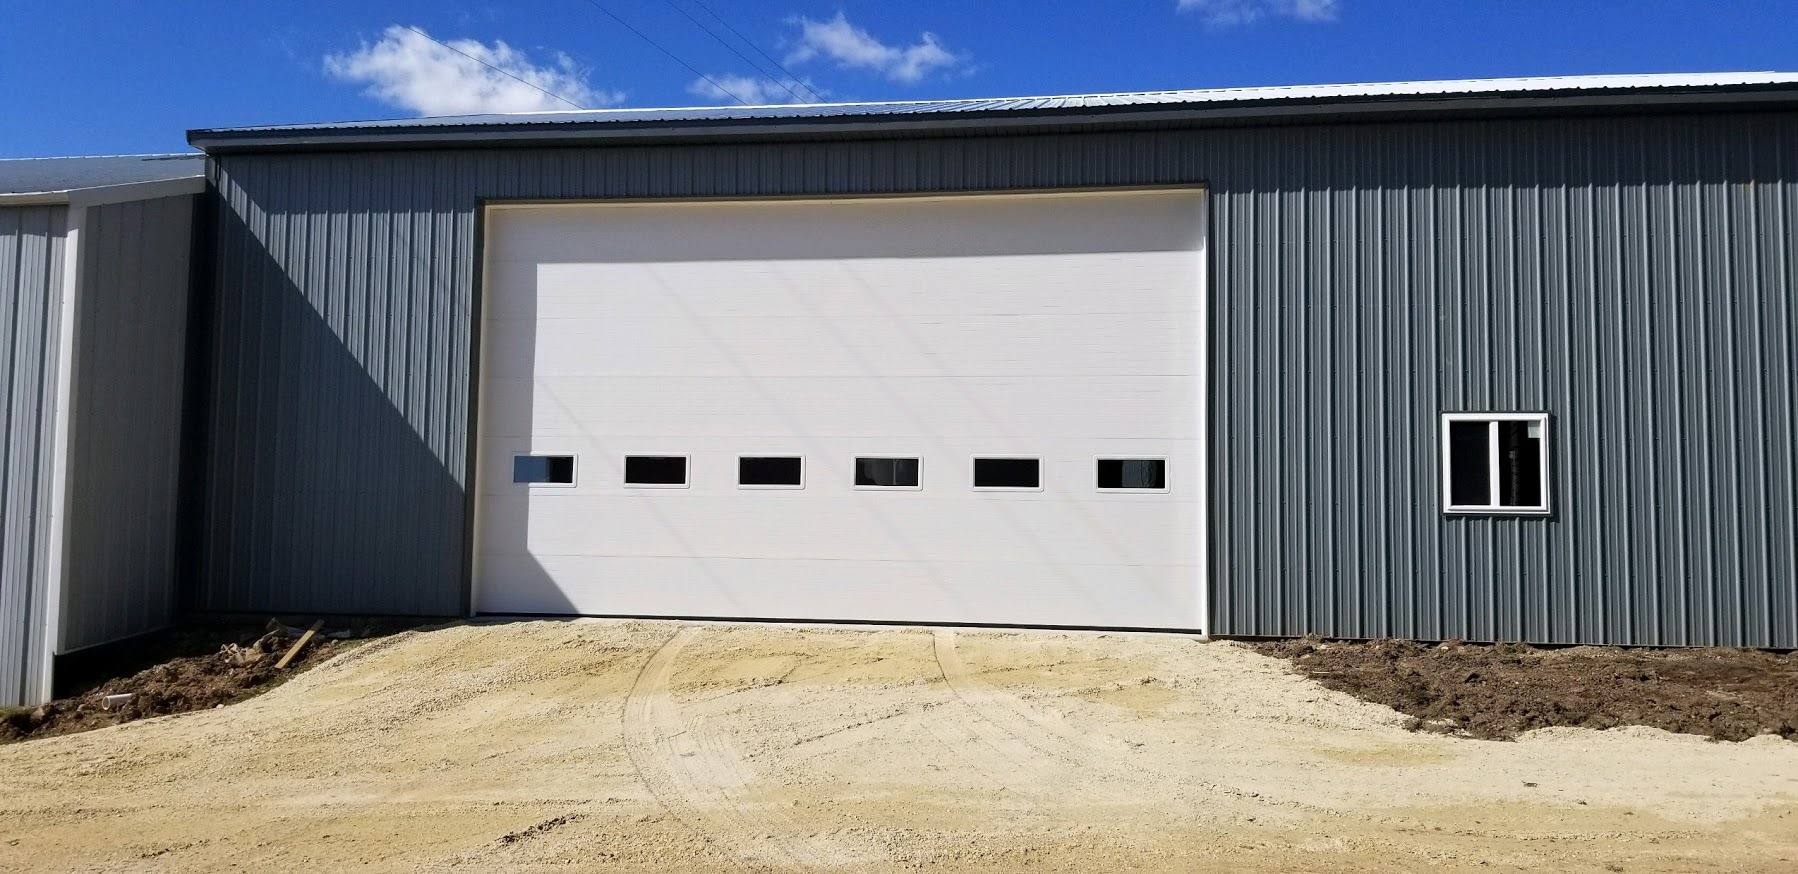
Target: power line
<point x="733" y="49"/>
<point x="504" y="73"/>
<point x="658" y="47"/>
<point x="758" y="50"/>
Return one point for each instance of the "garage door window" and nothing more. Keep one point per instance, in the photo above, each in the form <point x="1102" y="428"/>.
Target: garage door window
<point x="1495" y="463"/>
<point x="770" y="472"/>
<point x="543" y="470"/>
<point x="1008" y="474"/>
<point x="655" y="471"/>
<point x="886" y="473"/>
<point x="1132" y="474"/>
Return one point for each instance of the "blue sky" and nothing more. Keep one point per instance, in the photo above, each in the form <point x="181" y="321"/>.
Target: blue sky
<point x="122" y="77"/>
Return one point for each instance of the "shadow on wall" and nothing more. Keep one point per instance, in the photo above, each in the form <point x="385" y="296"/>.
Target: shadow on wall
<point x="504" y="426"/>
<point x="334" y="464"/>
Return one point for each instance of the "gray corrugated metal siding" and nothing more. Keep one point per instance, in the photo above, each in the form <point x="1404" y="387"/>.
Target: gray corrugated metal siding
<point x="126" y="435"/>
<point x="1629" y="275"/>
<point x="31" y="268"/>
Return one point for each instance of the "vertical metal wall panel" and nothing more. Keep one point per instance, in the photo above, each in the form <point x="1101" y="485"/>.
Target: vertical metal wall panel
<point x="338" y="403"/>
<point x="125" y="452"/>
<point x="32" y="241"/>
<point x="1630" y="275"/>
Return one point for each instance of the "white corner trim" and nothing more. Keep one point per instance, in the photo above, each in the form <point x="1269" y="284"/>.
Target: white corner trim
<point x="62" y="440"/>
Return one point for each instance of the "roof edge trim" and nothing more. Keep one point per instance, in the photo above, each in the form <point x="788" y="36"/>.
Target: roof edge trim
<point x="101" y="195"/>
<point x="224" y="140"/>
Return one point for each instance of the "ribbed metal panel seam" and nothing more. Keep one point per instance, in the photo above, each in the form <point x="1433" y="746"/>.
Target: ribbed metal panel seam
<point x="32" y="243"/>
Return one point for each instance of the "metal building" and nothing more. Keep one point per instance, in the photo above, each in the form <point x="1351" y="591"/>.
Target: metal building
<point x="94" y="287"/>
<point x="1496" y="360"/>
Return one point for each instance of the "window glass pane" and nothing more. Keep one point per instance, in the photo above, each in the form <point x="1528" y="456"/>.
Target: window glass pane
<point x="655" y="470"/>
<point x="889" y="472"/>
<point x="1469" y="480"/>
<point x="770" y="470"/>
<point x="1007" y="473"/>
<point x="1520" y="464"/>
<point x="1132" y="473"/>
<point x="555" y="469"/>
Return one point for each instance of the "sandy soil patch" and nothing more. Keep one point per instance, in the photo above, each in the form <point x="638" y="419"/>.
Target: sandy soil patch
<point x="641" y="746"/>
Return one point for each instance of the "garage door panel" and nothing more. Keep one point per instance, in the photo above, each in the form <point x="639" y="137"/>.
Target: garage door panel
<point x="1068" y="470"/>
<point x="1138" y="285"/>
<point x="1096" y="344"/>
<point x="901" y="228"/>
<point x="1060" y="328"/>
<point x="912" y="527"/>
<point x="983" y="592"/>
<point x="817" y="407"/>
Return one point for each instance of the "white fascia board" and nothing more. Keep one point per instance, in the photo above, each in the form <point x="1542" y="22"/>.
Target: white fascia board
<point x="105" y="194"/>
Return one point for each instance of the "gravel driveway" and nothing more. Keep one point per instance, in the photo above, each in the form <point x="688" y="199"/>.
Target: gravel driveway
<point x="642" y="746"/>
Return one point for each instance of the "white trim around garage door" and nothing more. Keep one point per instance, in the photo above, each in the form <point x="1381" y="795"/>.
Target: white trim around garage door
<point x="1201" y="273"/>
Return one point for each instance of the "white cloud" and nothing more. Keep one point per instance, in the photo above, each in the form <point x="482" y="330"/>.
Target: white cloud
<point x="408" y="70"/>
<point x="1224" y="13"/>
<point x="851" y="47"/>
<point x="756" y="90"/>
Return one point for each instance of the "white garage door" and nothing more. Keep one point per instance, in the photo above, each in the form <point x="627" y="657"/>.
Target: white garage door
<point x="981" y="409"/>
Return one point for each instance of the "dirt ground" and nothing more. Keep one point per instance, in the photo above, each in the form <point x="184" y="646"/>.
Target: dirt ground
<point x="176" y="680"/>
<point x="1500" y="691"/>
<point x="636" y="746"/>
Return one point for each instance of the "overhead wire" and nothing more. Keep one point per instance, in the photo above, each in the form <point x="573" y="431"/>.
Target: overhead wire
<point x="503" y="72"/>
<point x="677" y="58"/>
<point x="758" y="50"/>
<point x="735" y="51"/>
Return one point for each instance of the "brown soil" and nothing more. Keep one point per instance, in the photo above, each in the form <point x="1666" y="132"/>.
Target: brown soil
<point x="241" y="667"/>
<point x="1498" y="691"/>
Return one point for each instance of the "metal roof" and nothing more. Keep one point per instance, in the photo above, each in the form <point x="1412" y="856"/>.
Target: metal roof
<point x="1199" y="103"/>
<point x="37" y="175"/>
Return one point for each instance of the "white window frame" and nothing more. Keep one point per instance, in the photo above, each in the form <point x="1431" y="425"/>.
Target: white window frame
<point x="739" y="470"/>
<point x="574" y="478"/>
<point x="1166" y="475"/>
<point x="974" y="464"/>
<point x="686" y="468"/>
<point x="894" y="455"/>
<point x="1492" y="465"/>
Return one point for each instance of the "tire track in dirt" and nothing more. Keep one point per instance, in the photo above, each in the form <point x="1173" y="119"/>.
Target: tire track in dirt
<point x="1008" y="713"/>
<point x="691" y="770"/>
<point x="1019" y="755"/>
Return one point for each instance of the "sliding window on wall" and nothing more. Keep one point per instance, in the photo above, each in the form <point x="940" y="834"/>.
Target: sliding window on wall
<point x="1495" y="463"/>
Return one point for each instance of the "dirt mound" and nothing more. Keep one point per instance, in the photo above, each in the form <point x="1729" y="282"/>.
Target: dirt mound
<point x="234" y="672"/>
<point x="1498" y="691"/>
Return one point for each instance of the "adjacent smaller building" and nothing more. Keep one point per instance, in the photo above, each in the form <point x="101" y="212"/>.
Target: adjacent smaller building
<point x="94" y="292"/>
